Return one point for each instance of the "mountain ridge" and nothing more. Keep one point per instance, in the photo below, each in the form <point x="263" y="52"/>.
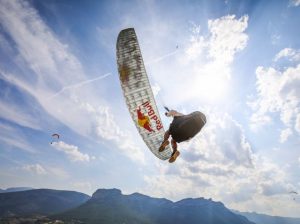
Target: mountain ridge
<point x="111" y="206"/>
<point x="15" y="189"/>
<point x="39" y="201"/>
<point x="268" y="219"/>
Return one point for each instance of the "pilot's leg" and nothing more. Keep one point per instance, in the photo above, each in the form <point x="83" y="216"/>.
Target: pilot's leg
<point x="165" y="142"/>
<point x="176" y="153"/>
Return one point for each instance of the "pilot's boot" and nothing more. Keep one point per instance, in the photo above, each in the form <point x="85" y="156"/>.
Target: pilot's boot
<point x="176" y="153"/>
<point x="174" y="156"/>
<point x="163" y="145"/>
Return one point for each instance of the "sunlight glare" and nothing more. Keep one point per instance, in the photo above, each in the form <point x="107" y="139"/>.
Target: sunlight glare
<point x="212" y="87"/>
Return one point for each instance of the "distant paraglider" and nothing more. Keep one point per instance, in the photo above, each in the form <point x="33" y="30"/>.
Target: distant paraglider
<point x="55" y="137"/>
<point x="294" y="193"/>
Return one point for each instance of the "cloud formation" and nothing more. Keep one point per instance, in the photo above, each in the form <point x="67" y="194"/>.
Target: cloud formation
<point x="278" y="92"/>
<point x="288" y="53"/>
<point x="12" y="112"/>
<point x="208" y="58"/>
<point x="285" y="134"/>
<point x="227" y="37"/>
<point x="13" y="137"/>
<point x="223" y="141"/>
<point x="35" y="169"/>
<point x="72" y="152"/>
<point x="295" y="3"/>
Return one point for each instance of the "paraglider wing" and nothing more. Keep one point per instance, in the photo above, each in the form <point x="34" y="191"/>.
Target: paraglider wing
<point x="56" y="135"/>
<point x="138" y="93"/>
<point x="294" y="193"/>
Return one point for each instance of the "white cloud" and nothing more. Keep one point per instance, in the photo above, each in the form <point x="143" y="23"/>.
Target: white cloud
<point x="44" y="58"/>
<point x="72" y="151"/>
<point x="207" y="61"/>
<point x="277" y="92"/>
<point x="257" y="120"/>
<point x="297" y="123"/>
<point x="285" y="134"/>
<point x="155" y="88"/>
<point x="12" y="112"/>
<point x="172" y="187"/>
<point x="289" y="53"/>
<point x="45" y="171"/>
<point x="35" y="169"/>
<point x="106" y="127"/>
<point x="294" y="3"/>
<point x="198" y="43"/>
<point x="228" y="37"/>
<point x="36" y="43"/>
<point x="223" y="141"/>
<point x="14" y="138"/>
<point x="12" y="141"/>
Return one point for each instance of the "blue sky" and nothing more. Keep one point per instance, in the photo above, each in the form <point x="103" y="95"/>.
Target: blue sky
<point x="237" y="61"/>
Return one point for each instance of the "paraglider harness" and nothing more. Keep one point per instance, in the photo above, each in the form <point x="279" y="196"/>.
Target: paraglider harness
<point x="186" y="127"/>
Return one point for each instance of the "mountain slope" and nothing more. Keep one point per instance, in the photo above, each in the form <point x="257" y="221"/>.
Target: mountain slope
<point x="15" y="189"/>
<point x="110" y="206"/>
<point x="39" y="201"/>
<point x="267" y="219"/>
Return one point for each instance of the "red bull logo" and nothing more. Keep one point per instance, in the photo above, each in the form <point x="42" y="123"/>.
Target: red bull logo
<point x="145" y="120"/>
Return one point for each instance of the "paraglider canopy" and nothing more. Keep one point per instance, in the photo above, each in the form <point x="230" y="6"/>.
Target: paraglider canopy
<point x="55" y="136"/>
<point x="294" y="193"/>
<point x="138" y="93"/>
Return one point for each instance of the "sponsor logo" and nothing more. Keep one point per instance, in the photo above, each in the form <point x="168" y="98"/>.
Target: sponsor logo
<point x="145" y="120"/>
